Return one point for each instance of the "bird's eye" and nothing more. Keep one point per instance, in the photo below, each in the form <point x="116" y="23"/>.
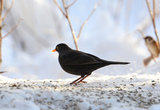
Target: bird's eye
<point x="57" y="48"/>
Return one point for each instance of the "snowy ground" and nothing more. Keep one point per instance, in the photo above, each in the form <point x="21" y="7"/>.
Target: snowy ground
<point x="122" y="92"/>
<point x="43" y="85"/>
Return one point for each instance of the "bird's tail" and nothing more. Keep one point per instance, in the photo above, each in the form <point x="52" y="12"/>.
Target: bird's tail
<point x="114" y="62"/>
<point x="147" y="60"/>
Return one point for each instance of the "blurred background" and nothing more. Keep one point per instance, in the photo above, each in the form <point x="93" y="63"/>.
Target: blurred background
<point x="111" y="34"/>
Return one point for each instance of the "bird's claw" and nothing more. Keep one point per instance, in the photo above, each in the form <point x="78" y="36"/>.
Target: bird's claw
<point x="82" y="82"/>
<point x="77" y="82"/>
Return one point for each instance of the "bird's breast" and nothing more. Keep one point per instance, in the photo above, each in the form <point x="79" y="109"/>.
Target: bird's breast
<point x="154" y="50"/>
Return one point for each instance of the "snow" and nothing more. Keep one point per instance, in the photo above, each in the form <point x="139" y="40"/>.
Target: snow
<point x="35" y="81"/>
<point x="155" y="107"/>
<point x="123" y="92"/>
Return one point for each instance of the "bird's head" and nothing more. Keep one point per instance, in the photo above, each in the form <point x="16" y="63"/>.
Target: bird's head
<point x="149" y="39"/>
<point x="61" y="48"/>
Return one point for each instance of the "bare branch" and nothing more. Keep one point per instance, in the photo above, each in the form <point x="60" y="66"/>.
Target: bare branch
<point x="70" y="25"/>
<point x="8" y="10"/>
<point x="2" y="26"/>
<point x="147" y="22"/>
<point x="1" y="9"/>
<point x="141" y="33"/>
<point x="149" y="8"/>
<point x="69" y="21"/>
<point x="11" y="29"/>
<point x="95" y="7"/>
<point x="68" y="18"/>
<point x="60" y="8"/>
<point x="71" y="4"/>
<point x="154" y="9"/>
<point x="153" y="19"/>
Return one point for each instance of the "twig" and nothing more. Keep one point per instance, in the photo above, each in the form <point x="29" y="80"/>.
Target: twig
<point x="1" y="9"/>
<point x="65" y="13"/>
<point x="68" y="18"/>
<point x="141" y="33"/>
<point x="149" y="8"/>
<point x="71" y="4"/>
<point x="95" y="7"/>
<point x="153" y="19"/>
<point x="70" y="25"/>
<point x="8" y="10"/>
<point x="60" y="8"/>
<point x="11" y="29"/>
<point x="2" y="26"/>
<point x="147" y="22"/>
<point x="154" y="9"/>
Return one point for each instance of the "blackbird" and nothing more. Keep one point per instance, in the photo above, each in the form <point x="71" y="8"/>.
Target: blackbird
<point x="80" y="63"/>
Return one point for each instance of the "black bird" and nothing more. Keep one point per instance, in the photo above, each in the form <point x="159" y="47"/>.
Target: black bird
<point x="80" y="63"/>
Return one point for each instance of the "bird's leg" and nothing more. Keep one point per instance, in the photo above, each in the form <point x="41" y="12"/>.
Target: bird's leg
<point x="83" y="79"/>
<point x="76" y="80"/>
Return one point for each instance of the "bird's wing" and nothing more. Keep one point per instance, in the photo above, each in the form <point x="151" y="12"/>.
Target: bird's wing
<point x="78" y="58"/>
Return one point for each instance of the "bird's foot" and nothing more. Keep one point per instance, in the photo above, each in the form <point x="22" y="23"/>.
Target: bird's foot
<point x="82" y="82"/>
<point x="77" y="82"/>
<point x="72" y="83"/>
